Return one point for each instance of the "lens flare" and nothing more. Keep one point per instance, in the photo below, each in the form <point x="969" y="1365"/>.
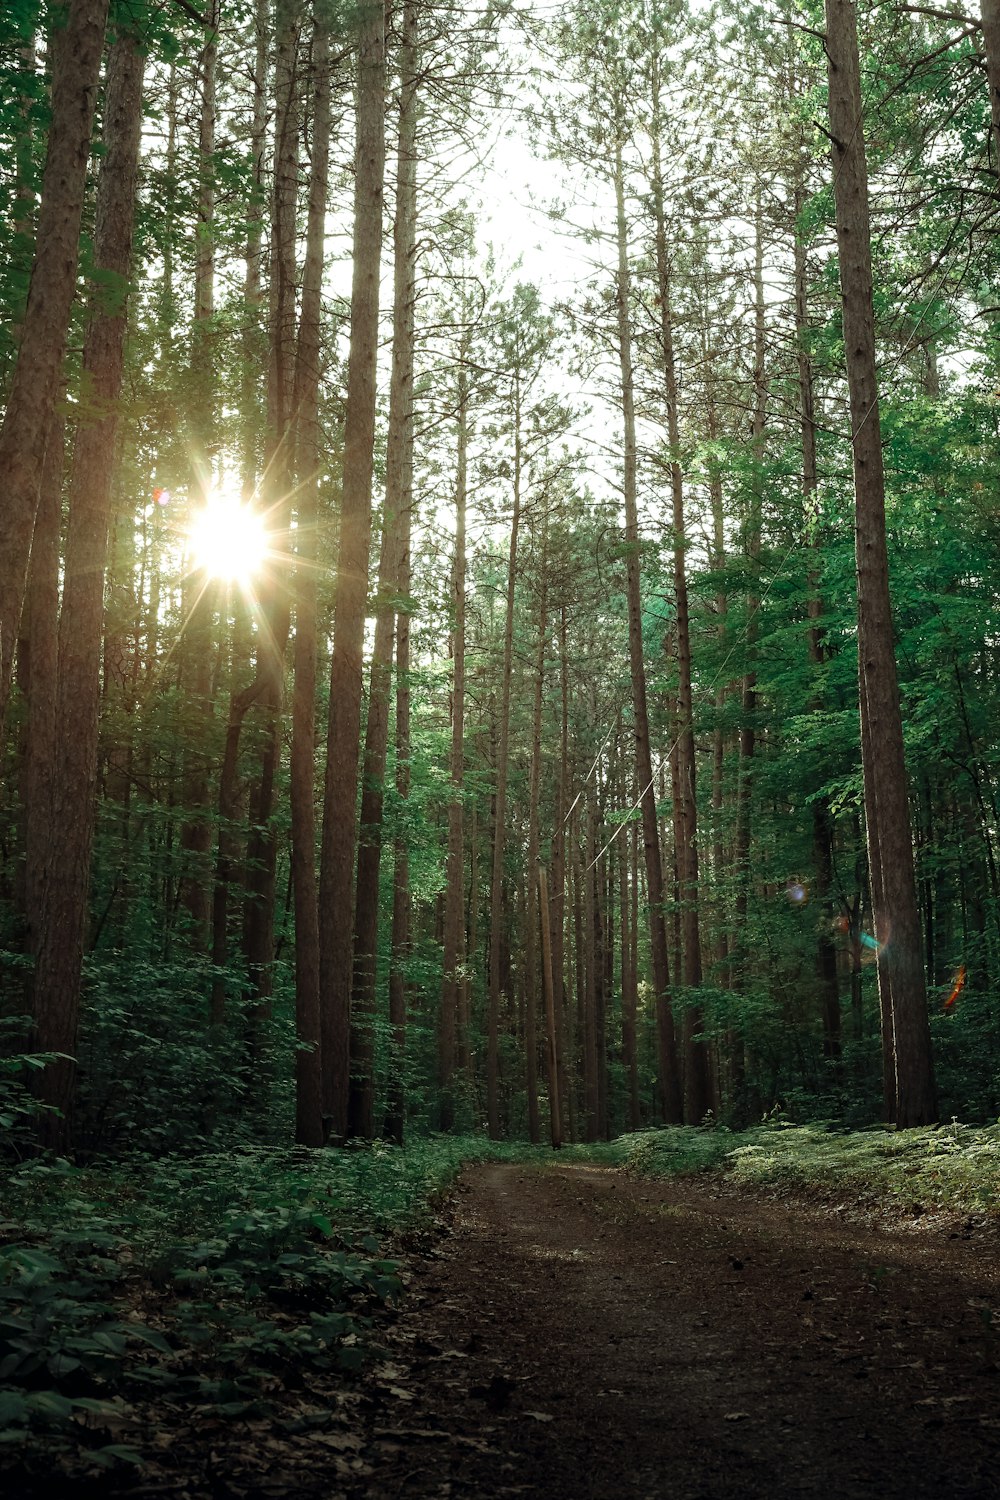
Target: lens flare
<point x="228" y="540"/>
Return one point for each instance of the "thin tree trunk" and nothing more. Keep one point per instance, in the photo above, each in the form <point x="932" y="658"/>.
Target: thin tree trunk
<point x="890" y="847"/>
<point x="308" y="1062"/>
<point x="531" y="916"/>
<point x="454" y="915"/>
<point x="697" y="1079"/>
<point x="670" y="1093"/>
<point x="36" y="381"/>
<point x="262" y="845"/>
<point x="826" y="954"/>
<point x="551" y="1024"/>
<point x="500" y="817"/>
<point x="399" y="947"/>
<point x="347" y="663"/>
<point x="398" y="498"/>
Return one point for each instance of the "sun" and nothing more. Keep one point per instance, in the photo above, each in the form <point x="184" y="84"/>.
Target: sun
<point x="229" y="541"/>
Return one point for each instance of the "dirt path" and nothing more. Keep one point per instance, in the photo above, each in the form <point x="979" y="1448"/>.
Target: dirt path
<point x="584" y="1334"/>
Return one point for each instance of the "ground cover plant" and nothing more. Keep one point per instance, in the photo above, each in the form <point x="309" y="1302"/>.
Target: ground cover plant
<point x="222" y="1282"/>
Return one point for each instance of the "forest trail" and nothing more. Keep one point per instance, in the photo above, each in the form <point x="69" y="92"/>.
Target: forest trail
<point x="582" y="1333"/>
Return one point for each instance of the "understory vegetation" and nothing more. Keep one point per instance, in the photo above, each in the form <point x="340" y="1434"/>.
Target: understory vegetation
<point x="143" y="1293"/>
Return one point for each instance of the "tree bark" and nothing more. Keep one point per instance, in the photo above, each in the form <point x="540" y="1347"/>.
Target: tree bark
<point x="670" y="1093"/>
<point x="63" y="924"/>
<point x="347" y="665"/>
<point x="454" y="914"/>
<point x="890" y="847"/>
<point x="36" y="382"/>
<point x="308" y="1063"/>
<point x="398" y="498"/>
<point x="500" y="814"/>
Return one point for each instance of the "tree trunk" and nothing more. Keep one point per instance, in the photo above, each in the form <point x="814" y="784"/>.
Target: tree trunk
<point x="530" y="891"/>
<point x="697" y="1080"/>
<point x="670" y="1093"/>
<point x="398" y="498"/>
<point x="262" y="845"/>
<point x="36" y="380"/>
<point x="500" y="816"/>
<point x="308" y="1063"/>
<point x="890" y="847"/>
<point x="401" y="905"/>
<point x="63" y="925"/>
<point x="990" y="12"/>
<point x="454" y="913"/>
<point x="347" y="663"/>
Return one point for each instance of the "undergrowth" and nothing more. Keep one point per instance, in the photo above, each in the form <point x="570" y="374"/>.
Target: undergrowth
<point x="219" y="1281"/>
<point x="948" y="1168"/>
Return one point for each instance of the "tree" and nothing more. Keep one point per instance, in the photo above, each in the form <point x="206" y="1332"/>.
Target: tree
<point x="346" y="667"/>
<point x="890" y="850"/>
<point x="62" y="929"/>
<point x="77" y="39"/>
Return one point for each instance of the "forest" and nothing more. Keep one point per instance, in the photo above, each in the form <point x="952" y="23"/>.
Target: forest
<point x="497" y="649"/>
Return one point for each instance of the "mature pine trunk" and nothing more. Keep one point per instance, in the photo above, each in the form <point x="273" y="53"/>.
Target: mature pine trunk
<point x="531" y="973"/>
<point x="262" y="845"/>
<point x="500" y="813"/>
<point x="454" y="912"/>
<point x="347" y="664"/>
<point x="242" y="698"/>
<point x="196" y="834"/>
<point x="670" y="1093"/>
<point x="551" y="1021"/>
<point x="66" y="881"/>
<point x="890" y="847"/>
<point x="697" y="1081"/>
<point x="558" y="916"/>
<point x="399" y="945"/>
<point x="398" y="498"/>
<point x="36" y="379"/>
<point x="308" y="1075"/>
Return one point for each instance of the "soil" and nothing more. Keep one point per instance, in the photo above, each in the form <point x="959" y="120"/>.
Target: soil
<point x="581" y="1334"/>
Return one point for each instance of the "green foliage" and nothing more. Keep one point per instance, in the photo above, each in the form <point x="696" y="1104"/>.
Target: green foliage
<point x="199" y="1280"/>
<point x="952" y="1169"/>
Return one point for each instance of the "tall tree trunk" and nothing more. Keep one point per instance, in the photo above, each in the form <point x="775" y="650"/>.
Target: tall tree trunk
<point x="262" y="845"/>
<point x="697" y="1079"/>
<point x="196" y="834"/>
<point x="347" y="664"/>
<point x="454" y="913"/>
<point x="670" y="1093"/>
<point x="500" y="815"/>
<point x="63" y="925"/>
<point x="399" y="944"/>
<point x="308" y="1063"/>
<point x="78" y="38"/>
<point x="531" y="972"/>
<point x="398" y="498"/>
<point x="40" y="653"/>
<point x="890" y="847"/>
